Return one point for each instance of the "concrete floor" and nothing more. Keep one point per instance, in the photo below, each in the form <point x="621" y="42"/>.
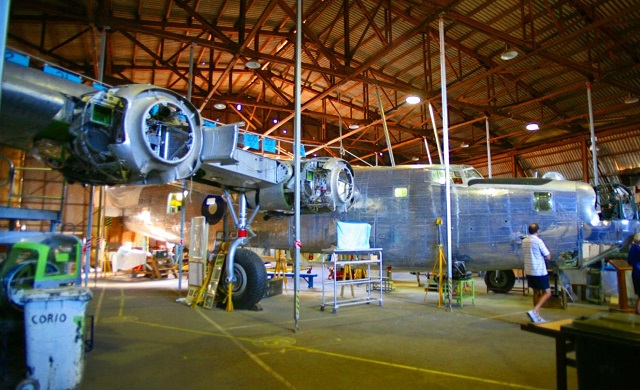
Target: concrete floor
<point x="145" y="339"/>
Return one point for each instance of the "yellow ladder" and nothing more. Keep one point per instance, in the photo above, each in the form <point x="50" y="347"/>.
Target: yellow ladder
<point x="206" y="294"/>
<point x="106" y="264"/>
<point x="347" y="274"/>
<point x="281" y="267"/>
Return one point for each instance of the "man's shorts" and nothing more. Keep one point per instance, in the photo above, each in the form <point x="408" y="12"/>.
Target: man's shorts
<point x="539" y="282"/>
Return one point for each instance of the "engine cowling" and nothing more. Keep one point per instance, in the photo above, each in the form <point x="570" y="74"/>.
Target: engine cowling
<point x="326" y="185"/>
<point x="136" y="134"/>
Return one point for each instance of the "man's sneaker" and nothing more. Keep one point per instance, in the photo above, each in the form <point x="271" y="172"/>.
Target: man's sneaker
<point x="532" y="316"/>
<point x="540" y="319"/>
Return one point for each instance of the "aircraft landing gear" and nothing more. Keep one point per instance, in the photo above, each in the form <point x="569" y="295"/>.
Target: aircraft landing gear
<point x="250" y="280"/>
<point x="500" y="281"/>
<point x="244" y="273"/>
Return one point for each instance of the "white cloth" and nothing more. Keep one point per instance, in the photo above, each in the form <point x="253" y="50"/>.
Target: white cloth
<point x="127" y="259"/>
<point x="353" y="235"/>
<point x="120" y="198"/>
<point x="534" y="251"/>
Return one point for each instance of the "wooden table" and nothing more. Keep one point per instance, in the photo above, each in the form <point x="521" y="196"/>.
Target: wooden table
<point x="564" y="345"/>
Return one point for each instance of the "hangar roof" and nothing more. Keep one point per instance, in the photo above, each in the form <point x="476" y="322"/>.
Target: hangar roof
<point x="362" y="58"/>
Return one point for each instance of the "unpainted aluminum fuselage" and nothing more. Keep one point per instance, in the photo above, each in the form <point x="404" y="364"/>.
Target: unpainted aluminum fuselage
<point x="489" y="217"/>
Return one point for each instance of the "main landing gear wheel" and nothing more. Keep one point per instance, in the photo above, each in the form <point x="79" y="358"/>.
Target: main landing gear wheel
<point x="251" y="280"/>
<point x="500" y="281"/>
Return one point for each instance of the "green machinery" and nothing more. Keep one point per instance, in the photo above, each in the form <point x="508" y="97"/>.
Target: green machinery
<point x="42" y="260"/>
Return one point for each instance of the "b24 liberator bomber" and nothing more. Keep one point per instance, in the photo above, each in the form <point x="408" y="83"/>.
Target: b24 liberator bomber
<point x="403" y="203"/>
<point x="141" y="134"/>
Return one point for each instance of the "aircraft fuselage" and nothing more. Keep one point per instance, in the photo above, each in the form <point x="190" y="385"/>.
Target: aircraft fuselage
<point x="489" y="217"/>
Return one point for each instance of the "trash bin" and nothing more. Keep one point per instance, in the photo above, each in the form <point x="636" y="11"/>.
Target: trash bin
<point x="607" y="347"/>
<point x="54" y="321"/>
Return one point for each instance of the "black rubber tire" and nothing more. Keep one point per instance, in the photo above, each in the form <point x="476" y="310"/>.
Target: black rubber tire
<point x="221" y="208"/>
<point x="500" y="281"/>
<point x="251" y="280"/>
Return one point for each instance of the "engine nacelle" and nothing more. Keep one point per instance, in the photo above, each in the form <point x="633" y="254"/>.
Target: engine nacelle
<point x="326" y="185"/>
<point x="136" y="134"/>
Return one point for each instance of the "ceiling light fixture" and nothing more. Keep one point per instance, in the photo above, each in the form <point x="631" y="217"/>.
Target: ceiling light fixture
<point x="253" y="64"/>
<point x="508" y="54"/>
<point x="631" y="99"/>
<point x="219" y="106"/>
<point x="239" y="107"/>
<point x="533" y="126"/>
<point x="354" y="126"/>
<point x="412" y="99"/>
<point x="464" y="145"/>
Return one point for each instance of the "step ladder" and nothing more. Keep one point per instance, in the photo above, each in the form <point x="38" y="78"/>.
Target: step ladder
<point x="206" y="294"/>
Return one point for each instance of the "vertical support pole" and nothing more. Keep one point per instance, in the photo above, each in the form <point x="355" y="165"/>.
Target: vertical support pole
<point x="180" y="246"/>
<point x="5" y="5"/>
<point x="384" y="127"/>
<point x="190" y="85"/>
<point x="445" y="141"/>
<point x="340" y="127"/>
<point x="426" y="149"/>
<point x="297" y="131"/>
<point x="103" y="51"/>
<point x="101" y="240"/>
<point x="486" y="121"/>
<point x="87" y="244"/>
<point x="594" y="153"/>
<point x="435" y="131"/>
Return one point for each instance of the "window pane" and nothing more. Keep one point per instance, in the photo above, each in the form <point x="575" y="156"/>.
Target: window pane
<point x="542" y="201"/>
<point x="400" y="192"/>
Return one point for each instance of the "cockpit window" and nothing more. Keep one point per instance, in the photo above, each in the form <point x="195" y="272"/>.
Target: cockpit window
<point x="438" y="177"/>
<point x="471" y="174"/>
<point x="542" y="201"/>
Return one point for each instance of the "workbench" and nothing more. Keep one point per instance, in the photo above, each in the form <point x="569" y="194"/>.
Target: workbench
<point x="564" y="345"/>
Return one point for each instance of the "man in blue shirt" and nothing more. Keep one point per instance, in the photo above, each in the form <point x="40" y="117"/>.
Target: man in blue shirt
<point x="634" y="260"/>
<point x="535" y="253"/>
